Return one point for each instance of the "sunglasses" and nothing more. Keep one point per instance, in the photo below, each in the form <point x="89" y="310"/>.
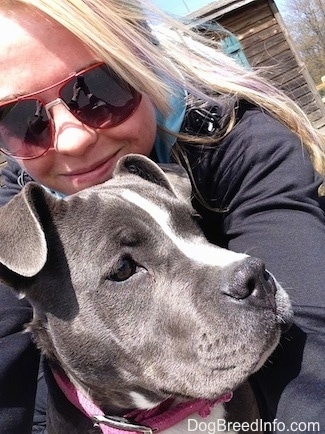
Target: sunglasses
<point x="96" y="96"/>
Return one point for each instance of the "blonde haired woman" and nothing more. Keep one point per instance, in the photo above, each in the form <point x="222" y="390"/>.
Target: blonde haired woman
<point x="84" y="82"/>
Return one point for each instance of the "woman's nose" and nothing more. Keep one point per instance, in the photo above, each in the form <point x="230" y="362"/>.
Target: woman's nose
<point x="72" y="137"/>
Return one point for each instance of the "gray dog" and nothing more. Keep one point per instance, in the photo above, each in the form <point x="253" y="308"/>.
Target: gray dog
<point x="145" y="325"/>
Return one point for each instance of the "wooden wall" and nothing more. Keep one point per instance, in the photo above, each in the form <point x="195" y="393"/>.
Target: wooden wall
<point x="266" y="43"/>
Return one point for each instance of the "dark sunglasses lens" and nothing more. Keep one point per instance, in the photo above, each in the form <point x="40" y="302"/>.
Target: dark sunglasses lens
<point x="24" y="129"/>
<point x="99" y="98"/>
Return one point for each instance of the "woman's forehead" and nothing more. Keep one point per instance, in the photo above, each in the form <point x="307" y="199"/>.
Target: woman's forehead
<point x="35" y="53"/>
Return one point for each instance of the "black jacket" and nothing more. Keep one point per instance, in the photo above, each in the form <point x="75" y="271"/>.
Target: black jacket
<point x="263" y="184"/>
<point x="262" y="180"/>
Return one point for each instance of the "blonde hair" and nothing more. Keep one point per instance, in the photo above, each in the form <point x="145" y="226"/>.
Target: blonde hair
<point x="117" y="32"/>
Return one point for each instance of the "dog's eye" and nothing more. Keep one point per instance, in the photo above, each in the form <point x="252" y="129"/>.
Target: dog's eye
<point x="125" y="268"/>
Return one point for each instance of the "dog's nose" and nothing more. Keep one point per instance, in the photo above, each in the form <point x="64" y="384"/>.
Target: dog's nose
<point x="250" y="281"/>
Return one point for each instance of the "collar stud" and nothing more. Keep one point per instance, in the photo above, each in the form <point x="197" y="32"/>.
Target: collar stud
<point x="121" y="423"/>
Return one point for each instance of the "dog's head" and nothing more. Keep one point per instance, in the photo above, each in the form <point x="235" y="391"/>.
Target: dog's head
<point x="129" y="297"/>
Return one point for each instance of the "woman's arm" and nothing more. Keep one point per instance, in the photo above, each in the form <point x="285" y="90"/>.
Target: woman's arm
<point x="263" y="179"/>
<point x="19" y="360"/>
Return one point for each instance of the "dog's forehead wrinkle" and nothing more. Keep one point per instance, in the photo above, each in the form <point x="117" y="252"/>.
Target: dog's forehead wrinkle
<point x="115" y="214"/>
<point x="195" y="247"/>
<point x="102" y="214"/>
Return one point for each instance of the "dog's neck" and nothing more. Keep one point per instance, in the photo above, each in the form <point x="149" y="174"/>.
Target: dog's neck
<point x="160" y="418"/>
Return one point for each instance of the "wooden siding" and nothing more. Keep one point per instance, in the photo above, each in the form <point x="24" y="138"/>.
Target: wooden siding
<point x="266" y="43"/>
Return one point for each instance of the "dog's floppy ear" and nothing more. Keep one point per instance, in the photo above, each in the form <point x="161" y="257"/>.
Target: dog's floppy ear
<point x="171" y="176"/>
<point x="23" y="245"/>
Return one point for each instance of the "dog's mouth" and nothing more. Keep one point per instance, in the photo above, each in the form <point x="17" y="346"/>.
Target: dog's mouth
<point x="213" y="380"/>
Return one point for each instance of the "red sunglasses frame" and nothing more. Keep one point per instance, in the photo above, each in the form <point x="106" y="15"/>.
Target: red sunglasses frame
<point x="47" y="106"/>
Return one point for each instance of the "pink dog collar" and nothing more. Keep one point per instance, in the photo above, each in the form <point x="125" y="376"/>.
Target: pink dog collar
<point x="138" y="421"/>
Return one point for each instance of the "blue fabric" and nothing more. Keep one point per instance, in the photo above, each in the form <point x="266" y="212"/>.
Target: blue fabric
<point x="172" y="122"/>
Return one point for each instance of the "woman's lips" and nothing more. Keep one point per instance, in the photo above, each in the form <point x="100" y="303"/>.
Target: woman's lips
<point x="95" y="174"/>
